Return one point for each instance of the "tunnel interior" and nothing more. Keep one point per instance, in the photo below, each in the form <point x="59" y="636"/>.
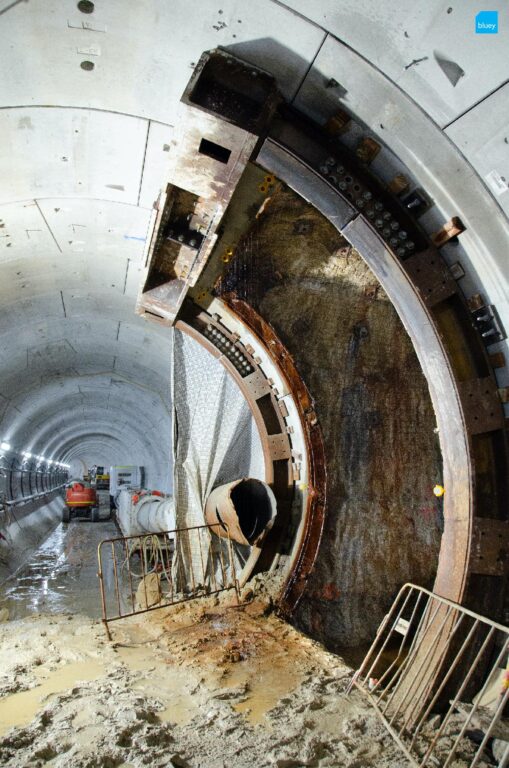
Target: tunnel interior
<point x="270" y="255"/>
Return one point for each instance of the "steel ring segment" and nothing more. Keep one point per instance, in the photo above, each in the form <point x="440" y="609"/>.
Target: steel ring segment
<point x="281" y="472"/>
<point x="461" y="382"/>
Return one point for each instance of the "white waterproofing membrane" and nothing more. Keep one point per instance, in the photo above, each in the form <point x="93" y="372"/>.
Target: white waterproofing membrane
<point x="216" y="438"/>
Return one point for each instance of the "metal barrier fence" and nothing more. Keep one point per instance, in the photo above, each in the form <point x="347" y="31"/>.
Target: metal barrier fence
<point x="437" y="674"/>
<point x="150" y="571"/>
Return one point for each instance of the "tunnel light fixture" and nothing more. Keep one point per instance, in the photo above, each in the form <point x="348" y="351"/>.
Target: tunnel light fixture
<point x="5" y="446"/>
<point x="27" y="454"/>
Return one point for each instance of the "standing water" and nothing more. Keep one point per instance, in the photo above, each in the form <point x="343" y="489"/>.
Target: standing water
<point x="61" y="576"/>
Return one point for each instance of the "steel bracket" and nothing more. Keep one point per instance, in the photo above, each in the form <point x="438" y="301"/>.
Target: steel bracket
<point x="257" y="385"/>
<point x="490" y="547"/>
<point x="431" y="276"/>
<point x="481" y="405"/>
<point x="279" y="446"/>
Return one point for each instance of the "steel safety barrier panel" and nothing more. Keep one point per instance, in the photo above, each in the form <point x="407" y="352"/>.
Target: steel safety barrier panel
<point x="455" y="719"/>
<point x="146" y="572"/>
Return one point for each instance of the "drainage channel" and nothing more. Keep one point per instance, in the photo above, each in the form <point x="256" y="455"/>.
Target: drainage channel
<point x="61" y="576"/>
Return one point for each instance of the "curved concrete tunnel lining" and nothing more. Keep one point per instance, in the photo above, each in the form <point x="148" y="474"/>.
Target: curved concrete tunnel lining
<point x="81" y="175"/>
<point x="46" y="430"/>
<point x="308" y="87"/>
<point x="45" y="409"/>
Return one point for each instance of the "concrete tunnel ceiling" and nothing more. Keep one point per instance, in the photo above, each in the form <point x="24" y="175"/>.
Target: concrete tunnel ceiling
<point x="88" y="105"/>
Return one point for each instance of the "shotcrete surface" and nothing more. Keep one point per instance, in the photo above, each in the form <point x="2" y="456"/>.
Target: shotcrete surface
<point x="383" y="524"/>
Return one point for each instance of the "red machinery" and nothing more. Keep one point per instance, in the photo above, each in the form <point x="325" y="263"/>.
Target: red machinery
<point x="80" y="499"/>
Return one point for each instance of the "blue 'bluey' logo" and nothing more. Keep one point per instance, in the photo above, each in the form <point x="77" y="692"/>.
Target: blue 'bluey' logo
<point x="486" y="23"/>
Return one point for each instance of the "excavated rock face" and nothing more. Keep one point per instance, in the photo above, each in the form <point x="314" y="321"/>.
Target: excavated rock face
<point x="383" y="524"/>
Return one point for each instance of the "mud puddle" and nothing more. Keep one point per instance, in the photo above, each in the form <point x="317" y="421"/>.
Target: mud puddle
<point x="162" y="681"/>
<point x="20" y="708"/>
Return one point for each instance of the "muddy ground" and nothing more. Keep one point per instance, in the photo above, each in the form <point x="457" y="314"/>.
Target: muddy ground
<point x="204" y="684"/>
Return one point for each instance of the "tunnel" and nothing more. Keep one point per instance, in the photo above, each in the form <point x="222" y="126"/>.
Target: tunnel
<point x="253" y="300"/>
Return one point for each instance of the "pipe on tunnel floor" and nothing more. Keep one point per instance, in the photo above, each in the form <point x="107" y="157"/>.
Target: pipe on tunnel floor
<point x="145" y="514"/>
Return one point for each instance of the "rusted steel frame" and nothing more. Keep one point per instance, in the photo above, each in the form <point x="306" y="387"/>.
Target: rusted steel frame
<point x="115" y="573"/>
<point x="314" y="516"/>
<point x="204" y="575"/>
<point x="102" y="590"/>
<point x="131" y="591"/>
<point x="150" y="537"/>
<point x="194" y="322"/>
<point x="297" y="160"/>
<point x="213" y="575"/>
<point x="134" y="536"/>
<point x="197" y="175"/>
<point x="286" y="163"/>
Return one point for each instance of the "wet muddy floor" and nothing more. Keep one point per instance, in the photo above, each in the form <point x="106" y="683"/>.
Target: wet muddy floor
<point x="204" y="684"/>
<point x="201" y="685"/>
<point x="61" y="577"/>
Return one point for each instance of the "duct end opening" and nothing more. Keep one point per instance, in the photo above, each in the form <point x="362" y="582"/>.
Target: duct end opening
<point x="255" y="506"/>
<point x="245" y="510"/>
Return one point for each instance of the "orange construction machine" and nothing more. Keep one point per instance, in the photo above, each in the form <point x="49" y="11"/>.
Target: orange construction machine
<point x="80" y="501"/>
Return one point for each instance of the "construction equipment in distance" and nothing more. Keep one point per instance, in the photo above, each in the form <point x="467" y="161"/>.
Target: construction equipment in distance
<point x="80" y="501"/>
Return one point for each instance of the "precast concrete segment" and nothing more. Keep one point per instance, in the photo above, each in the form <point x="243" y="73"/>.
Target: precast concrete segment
<point x="259" y="34"/>
<point x="23" y="533"/>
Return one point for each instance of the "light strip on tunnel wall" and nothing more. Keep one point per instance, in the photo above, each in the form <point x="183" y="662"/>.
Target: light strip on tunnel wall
<point x="6" y="446"/>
